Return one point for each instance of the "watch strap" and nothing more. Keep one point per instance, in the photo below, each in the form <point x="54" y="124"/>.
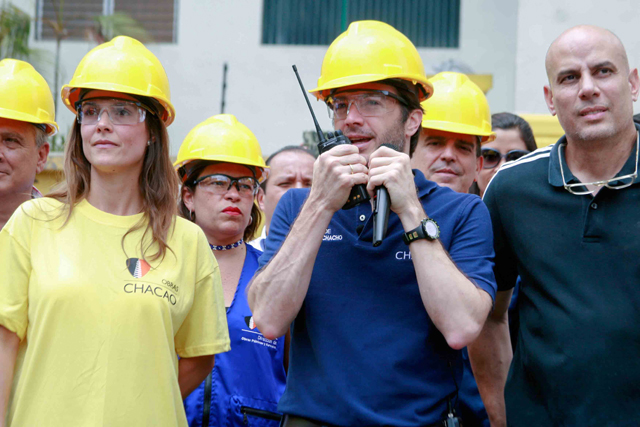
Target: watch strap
<point x="415" y="234"/>
<point x="420" y="233"/>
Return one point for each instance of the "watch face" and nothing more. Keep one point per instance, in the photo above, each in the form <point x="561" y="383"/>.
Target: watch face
<point x="431" y="229"/>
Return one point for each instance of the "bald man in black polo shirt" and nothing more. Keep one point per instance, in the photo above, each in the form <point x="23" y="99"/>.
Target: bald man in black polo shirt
<point x="565" y="218"/>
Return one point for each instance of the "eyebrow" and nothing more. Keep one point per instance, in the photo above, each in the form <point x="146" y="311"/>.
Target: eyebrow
<point x="435" y="138"/>
<point x="463" y="142"/>
<point x="12" y="135"/>
<point x="602" y="64"/>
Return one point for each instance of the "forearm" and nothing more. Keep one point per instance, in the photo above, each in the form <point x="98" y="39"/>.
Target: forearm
<point x="278" y="291"/>
<point x="490" y="357"/>
<point x="192" y="371"/>
<point x="9" y="343"/>
<point x="455" y="305"/>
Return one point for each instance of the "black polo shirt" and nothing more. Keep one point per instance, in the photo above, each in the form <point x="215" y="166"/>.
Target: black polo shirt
<point x="577" y="360"/>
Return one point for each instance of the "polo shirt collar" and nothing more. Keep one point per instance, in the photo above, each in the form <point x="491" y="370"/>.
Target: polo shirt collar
<point x="555" y="177"/>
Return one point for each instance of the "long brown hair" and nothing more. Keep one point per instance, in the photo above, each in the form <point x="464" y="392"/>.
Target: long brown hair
<point x="194" y="171"/>
<point x="158" y="184"/>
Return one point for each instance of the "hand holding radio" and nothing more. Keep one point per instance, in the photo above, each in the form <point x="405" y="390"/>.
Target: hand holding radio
<point x="358" y="193"/>
<point x="335" y="173"/>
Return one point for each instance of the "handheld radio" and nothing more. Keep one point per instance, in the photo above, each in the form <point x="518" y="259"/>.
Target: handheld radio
<point x="359" y="192"/>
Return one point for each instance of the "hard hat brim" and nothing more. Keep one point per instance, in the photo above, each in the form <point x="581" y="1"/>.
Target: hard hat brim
<point x="322" y="92"/>
<point x="70" y="96"/>
<point x="52" y="127"/>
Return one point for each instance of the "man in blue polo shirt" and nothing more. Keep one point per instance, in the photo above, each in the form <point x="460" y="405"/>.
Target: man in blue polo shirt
<point x="565" y="218"/>
<point x="376" y="331"/>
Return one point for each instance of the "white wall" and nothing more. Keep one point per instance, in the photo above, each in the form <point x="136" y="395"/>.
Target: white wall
<point x="261" y="88"/>
<point x="542" y="21"/>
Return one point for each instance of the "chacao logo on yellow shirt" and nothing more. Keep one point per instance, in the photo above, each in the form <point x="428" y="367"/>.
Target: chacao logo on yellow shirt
<point x="138" y="269"/>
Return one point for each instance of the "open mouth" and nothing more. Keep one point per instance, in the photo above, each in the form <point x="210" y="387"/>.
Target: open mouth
<point x="360" y="140"/>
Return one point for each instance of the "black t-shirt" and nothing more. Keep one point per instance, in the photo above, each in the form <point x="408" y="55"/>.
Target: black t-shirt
<point x="577" y="361"/>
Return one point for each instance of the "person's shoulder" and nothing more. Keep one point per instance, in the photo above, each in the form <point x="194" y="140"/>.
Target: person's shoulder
<point x="186" y="230"/>
<point x="253" y="251"/>
<point x="529" y="170"/>
<point x="291" y="202"/>
<point x="447" y="195"/>
<point x="43" y="208"/>
<point x="297" y="195"/>
<point x="533" y="163"/>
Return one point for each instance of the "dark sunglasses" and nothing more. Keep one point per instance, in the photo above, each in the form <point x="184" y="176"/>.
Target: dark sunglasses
<point x="492" y="157"/>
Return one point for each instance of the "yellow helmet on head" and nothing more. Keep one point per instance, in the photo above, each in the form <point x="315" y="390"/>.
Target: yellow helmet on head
<point x="222" y="138"/>
<point x="25" y="95"/>
<point x="458" y="106"/>
<point x="121" y="65"/>
<point x="370" y="51"/>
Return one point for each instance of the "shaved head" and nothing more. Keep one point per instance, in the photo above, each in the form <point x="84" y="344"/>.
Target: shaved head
<point x="584" y="35"/>
<point x="591" y="87"/>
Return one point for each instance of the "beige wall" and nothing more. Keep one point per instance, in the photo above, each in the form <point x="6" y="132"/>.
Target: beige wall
<point x="541" y="21"/>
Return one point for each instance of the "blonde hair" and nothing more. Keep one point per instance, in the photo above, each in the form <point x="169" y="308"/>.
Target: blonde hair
<point x="158" y="183"/>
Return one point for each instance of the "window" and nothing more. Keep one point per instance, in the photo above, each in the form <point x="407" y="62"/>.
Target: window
<point x="157" y="17"/>
<point x="427" y="23"/>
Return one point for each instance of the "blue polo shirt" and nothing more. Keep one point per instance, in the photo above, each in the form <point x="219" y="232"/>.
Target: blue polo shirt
<point x="577" y="356"/>
<point x="363" y="350"/>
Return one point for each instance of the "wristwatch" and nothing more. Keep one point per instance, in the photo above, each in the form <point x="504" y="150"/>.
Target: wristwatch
<point x="428" y="229"/>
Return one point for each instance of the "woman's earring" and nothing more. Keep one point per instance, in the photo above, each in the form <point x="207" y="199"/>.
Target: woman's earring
<point x="148" y="143"/>
<point x="192" y="216"/>
<point x="250" y="220"/>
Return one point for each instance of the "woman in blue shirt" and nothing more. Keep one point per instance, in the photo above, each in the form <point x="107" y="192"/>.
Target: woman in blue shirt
<point x="220" y="164"/>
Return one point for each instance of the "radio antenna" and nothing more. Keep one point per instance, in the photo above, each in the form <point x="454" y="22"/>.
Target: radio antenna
<point x="315" y="121"/>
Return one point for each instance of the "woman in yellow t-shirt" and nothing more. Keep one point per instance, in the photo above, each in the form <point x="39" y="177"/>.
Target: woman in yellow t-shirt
<point x="103" y="286"/>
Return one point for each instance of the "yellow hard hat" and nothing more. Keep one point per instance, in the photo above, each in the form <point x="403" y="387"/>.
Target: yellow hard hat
<point x="222" y="138"/>
<point x="370" y="51"/>
<point x="459" y="106"/>
<point x="121" y="65"/>
<point x="25" y="95"/>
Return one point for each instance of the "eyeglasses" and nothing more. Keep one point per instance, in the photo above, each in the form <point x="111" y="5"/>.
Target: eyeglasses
<point x="219" y="184"/>
<point x="492" y="157"/>
<point x="372" y="103"/>
<point x="624" y="181"/>
<point x="120" y="112"/>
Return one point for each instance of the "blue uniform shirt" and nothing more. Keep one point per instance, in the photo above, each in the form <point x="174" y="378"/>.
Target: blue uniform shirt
<point x="364" y="351"/>
<point x="250" y="375"/>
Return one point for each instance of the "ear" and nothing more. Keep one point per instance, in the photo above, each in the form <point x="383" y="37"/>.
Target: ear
<point x="412" y="124"/>
<point x="43" y="153"/>
<point x="187" y="198"/>
<point x="479" y="164"/>
<point x="260" y="199"/>
<point x="634" y="83"/>
<point x="548" y="97"/>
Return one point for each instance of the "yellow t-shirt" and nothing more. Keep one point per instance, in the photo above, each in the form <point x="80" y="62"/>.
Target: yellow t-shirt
<point x="100" y="329"/>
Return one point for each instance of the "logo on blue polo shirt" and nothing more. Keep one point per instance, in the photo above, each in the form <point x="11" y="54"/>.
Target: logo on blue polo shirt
<point x="328" y="236"/>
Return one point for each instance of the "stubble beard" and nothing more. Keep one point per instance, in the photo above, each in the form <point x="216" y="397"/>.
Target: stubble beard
<point x="393" y="136"/>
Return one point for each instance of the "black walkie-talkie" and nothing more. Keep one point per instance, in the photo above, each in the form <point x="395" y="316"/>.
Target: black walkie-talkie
<point x="358" y="192"/>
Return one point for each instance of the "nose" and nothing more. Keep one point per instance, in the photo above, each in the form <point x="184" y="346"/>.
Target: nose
<point x="298" y="184"/>
<point x="588" y="86"/>
<point x="104" y="121"/>
<point x="353" y="115"/>
<point x="233" y="193"/>
<point x="448" y="152"/>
